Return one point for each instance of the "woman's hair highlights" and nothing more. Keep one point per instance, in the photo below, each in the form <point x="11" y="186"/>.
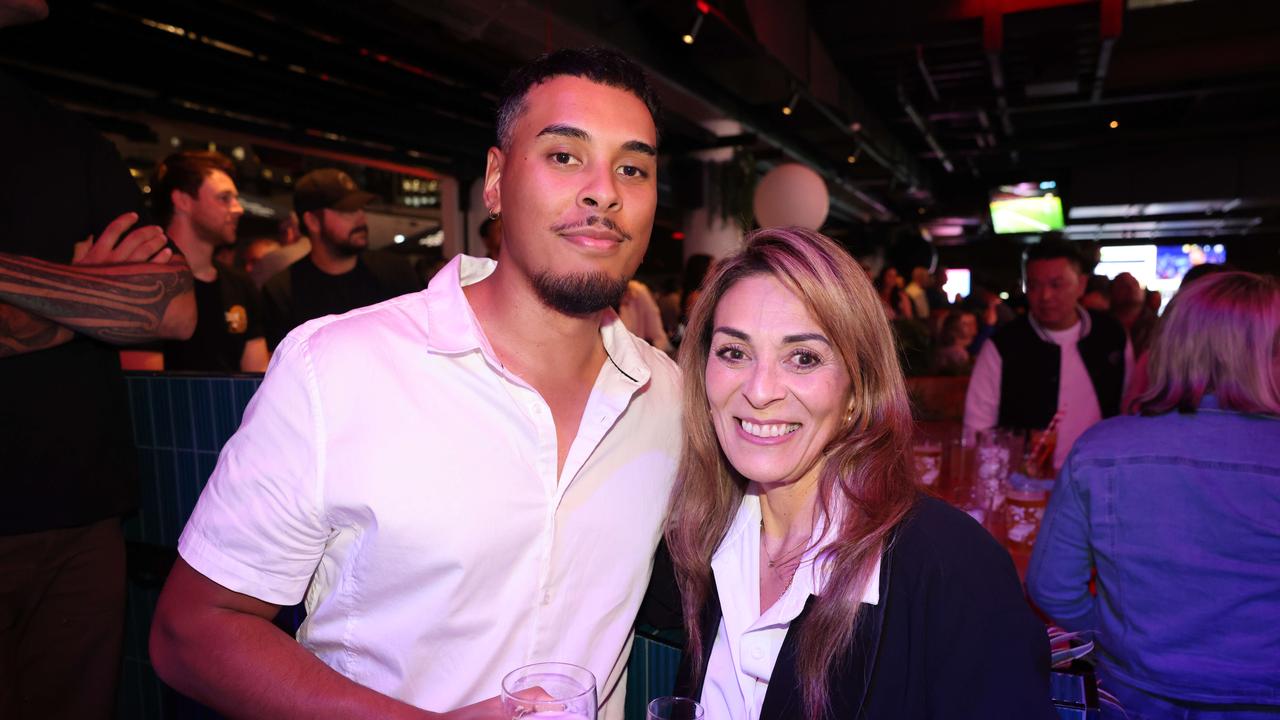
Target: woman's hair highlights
<point x="866" y="471"/>
<point x="1220" y="336"/>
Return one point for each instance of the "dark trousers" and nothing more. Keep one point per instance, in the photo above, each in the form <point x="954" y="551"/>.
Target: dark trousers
<point x="62" y="596"/>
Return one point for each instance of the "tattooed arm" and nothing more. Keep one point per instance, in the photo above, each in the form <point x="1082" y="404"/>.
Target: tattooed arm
<point x="121" y="304"/>
<point x="22" y="332"/>
<point x="119" y="290"/>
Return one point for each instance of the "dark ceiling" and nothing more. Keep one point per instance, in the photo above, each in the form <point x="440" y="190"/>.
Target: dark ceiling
<point x="912" y="109"/>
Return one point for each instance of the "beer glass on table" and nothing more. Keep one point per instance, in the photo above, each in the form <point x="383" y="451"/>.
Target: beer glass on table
<point x="1027" y="493"/>
<point x="928" y="457"/>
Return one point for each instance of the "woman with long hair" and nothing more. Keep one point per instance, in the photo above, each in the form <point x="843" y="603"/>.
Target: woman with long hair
<point x="816" y="581"/>
<point x="1177" y="511"/>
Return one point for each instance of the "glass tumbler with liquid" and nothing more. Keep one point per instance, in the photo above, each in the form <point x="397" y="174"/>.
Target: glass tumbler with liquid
<point x="550" y="691"/>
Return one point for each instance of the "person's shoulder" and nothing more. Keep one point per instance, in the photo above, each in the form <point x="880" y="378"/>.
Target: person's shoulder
<point x="280" y="282"/>
<point x="1104" y="325"/>
<point x="660" y="364"/>
<point x="235" y="277"/>
<point x="936" y="535"/>
<point x="1174" y="435"/>
<point x="279" y="260"/>
<point x="365" y="329"/>
<point x="663" y="371"/>
<point x="1119" y="432"/>
<point x="1017" y="326"/>
<point x="383" y="259"/>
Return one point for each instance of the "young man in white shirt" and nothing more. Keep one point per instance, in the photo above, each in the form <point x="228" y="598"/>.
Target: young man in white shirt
<point x="1060" y="357"/>
<point x="463" y="480"/>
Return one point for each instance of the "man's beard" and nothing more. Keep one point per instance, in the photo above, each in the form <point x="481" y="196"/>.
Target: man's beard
<point x="345" y="247"/>
<point x="579" y="294"/>
<point x="215" y="236"/>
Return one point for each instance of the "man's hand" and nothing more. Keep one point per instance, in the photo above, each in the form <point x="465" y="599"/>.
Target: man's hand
<point x="490" y="709"/>
<point x="143" y="244"/>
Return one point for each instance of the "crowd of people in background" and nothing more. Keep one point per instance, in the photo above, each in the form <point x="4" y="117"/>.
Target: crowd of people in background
<point x="1161" y="534"/>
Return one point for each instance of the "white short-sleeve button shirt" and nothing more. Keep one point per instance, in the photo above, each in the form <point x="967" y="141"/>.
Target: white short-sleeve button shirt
<point x="393" y="471"/>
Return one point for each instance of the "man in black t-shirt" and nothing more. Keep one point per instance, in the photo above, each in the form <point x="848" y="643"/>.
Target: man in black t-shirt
<point x="195" y="197"/>
<point x="67" y="459"/>
<point x="339" y="274"/>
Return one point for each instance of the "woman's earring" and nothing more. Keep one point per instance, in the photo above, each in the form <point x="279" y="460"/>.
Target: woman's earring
<point x="494" y="214"/>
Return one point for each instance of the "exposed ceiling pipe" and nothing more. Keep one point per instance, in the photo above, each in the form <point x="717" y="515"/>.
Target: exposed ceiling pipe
<point x="1104" y="62"/>
<point x="997" y="81"/>
<point x="924" y="130"/>
<point x="1200" y="92"/>
<point x="1111" y="20"/>
<point x="924" y="73"/>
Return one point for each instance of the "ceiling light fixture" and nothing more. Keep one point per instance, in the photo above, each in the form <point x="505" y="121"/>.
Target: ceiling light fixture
<point x="692" y="35"/>
<point x="790" y="107"/>
<point x="1114" y="124"/>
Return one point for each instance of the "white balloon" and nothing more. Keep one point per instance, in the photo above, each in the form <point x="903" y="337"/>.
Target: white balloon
<point x="792" y="194"/>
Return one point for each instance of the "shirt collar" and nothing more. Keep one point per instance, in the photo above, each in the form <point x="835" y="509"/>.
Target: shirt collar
<point x="814" y="571"/>
<point x="1086" y="325"/>
<point x="454" y="328"/>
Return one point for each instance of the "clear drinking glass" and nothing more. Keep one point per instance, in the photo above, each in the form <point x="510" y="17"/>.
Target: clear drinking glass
<point x="550" y="691"/>
<point x="674" y="708"/>
<point x="928" y="456"/>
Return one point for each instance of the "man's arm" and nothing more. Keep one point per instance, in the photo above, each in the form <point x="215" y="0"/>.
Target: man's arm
<point x="1062" y="560"/>
<point x="255" y="357"/>
<point x="220" y="648"/>
<point x="21" y="332"/>
<point x="982" y="401"/>
<point x="121" y="304"/>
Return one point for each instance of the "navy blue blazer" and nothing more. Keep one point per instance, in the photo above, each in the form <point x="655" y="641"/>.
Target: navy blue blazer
<point x="952" y="637"/>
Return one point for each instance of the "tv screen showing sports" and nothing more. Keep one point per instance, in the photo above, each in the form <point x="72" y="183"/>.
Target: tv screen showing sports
<point x="1028" y="207"/>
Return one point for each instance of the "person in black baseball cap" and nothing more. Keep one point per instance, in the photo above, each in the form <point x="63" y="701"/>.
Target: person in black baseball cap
<point x="329" y="188"/>
<point x="340" y="273"/>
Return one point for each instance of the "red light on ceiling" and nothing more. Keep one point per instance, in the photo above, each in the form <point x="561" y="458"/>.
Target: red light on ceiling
<point x="703" y="7"/>
<point x="677" y="235"/>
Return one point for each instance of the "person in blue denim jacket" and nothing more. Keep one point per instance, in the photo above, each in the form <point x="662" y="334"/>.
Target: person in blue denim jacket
<point x="1178" y="511"/>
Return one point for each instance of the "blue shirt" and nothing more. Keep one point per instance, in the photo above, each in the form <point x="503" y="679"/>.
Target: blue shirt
<point x="1180" y="514"/>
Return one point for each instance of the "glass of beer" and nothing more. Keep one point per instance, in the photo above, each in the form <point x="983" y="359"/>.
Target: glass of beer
<point x="1024" y="505"/>
<point x="550" y="691"/>
<point x="928" y="454"/>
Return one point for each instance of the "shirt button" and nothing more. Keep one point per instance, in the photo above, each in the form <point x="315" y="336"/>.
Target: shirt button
<point x="757" y="652"/>
<point x="546" y="598"/>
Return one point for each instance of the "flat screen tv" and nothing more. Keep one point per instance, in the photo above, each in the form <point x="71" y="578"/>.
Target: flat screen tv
<point x="1027" y="207"/>
<point x="1158" y="267"/>
<point x="958" y="284"/>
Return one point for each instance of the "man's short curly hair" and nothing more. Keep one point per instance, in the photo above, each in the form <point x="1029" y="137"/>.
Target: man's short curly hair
<point x="596" y="64"/>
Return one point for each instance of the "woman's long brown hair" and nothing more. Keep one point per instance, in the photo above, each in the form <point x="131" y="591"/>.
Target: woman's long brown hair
<point x="867" y="470"/>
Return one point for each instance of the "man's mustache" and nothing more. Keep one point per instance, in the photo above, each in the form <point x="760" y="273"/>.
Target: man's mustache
<point x="593" y="221"/>
<point x="357" y="230"/>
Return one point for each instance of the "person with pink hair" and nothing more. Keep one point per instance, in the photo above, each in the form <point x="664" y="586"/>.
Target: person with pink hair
<point x="1178" y="512"/>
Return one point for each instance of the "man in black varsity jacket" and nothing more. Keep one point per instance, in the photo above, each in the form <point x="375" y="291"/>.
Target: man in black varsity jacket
<point x="1061" y="357"/>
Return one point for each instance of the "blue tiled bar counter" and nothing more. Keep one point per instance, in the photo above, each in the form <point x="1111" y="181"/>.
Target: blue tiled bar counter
<point x="180" y="422"/>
